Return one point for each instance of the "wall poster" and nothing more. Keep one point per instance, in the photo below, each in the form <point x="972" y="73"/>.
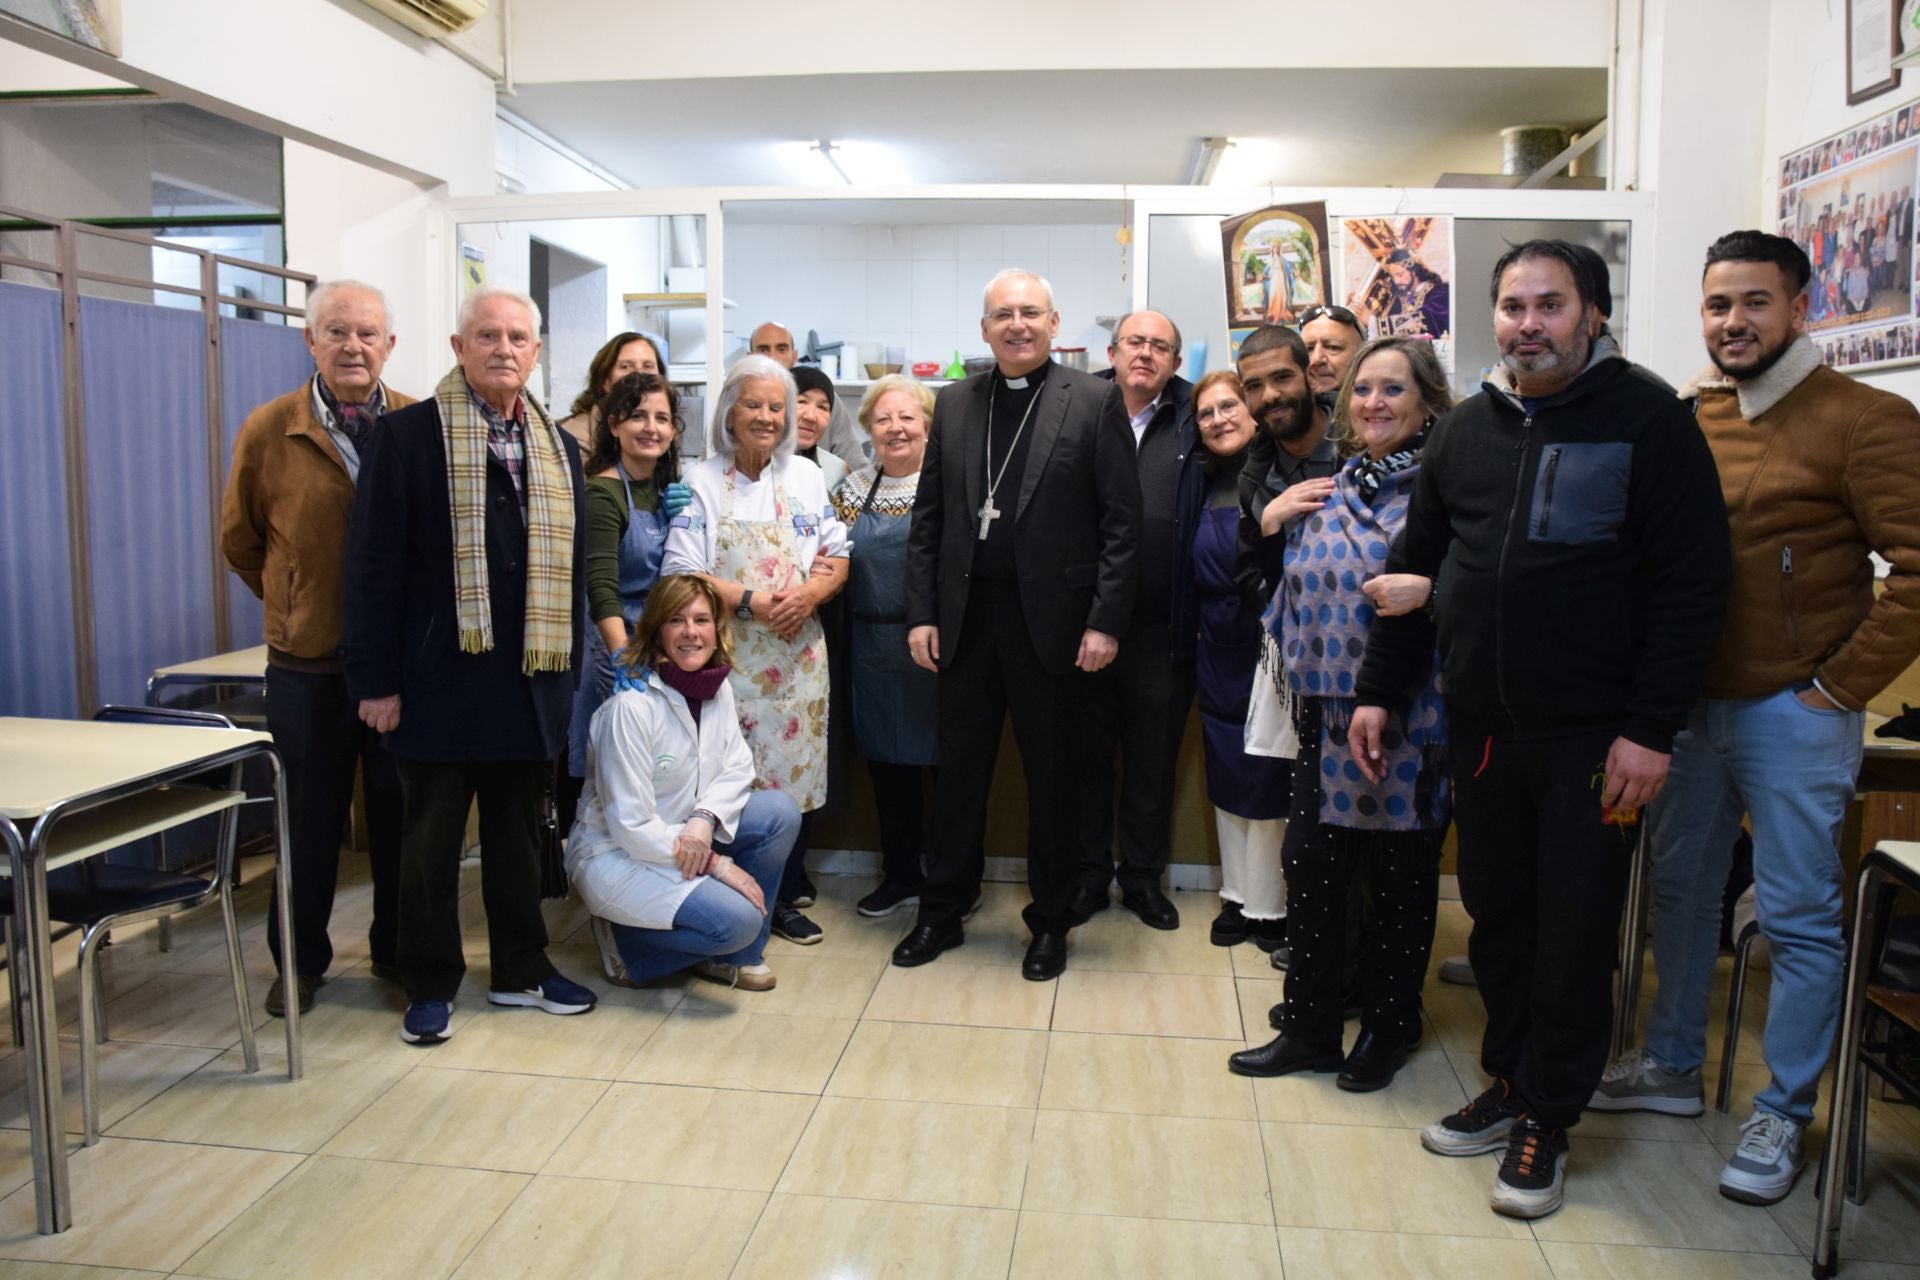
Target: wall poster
<point x="1397" y="277"/>
<point x="1276" y="266"/>
<point x="94" y="23"/>
<point x="1849" y="202"/>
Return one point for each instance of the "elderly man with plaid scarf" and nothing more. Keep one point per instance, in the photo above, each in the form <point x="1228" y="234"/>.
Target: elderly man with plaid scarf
<point x="465" y="580"/>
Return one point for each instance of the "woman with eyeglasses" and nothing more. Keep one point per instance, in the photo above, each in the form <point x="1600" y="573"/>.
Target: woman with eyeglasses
<point x="1322" y="612"/>
<point x="1217" y="624"/>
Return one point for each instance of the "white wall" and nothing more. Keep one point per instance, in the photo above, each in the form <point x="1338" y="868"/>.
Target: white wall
<point x="1806" y="101"/>
<point x="336" y="76"/>
<point x="1012" y="35"/>
<point x="916" y="287"/>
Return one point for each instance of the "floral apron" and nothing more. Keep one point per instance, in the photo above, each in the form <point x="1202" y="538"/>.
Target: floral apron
<point x="780" y="685"/>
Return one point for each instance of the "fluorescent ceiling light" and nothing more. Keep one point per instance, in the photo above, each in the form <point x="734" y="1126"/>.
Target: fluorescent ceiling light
<point x="1211" y="149"/>
<point x="1248" y="162"/>
<point x="830" y="163"/>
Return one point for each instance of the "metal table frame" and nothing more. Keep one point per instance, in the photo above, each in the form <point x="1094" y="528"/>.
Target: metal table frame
<point x="27" y="867"/>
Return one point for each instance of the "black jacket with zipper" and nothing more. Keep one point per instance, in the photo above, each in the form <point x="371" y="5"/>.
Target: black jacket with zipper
<point x="1580" y="551"/>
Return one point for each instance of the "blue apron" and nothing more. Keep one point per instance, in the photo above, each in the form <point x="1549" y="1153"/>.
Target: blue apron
<point x="896" y="704"/>
<point x="641" y="548"/>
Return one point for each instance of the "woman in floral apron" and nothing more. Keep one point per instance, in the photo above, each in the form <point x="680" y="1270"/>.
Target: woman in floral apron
<point x="761" y="529"/>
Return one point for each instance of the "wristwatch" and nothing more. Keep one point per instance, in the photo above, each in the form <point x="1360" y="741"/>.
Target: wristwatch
<point x="745" y="611"/>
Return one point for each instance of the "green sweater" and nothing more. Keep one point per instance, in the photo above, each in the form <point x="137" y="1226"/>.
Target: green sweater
<point x="607" y="514"/>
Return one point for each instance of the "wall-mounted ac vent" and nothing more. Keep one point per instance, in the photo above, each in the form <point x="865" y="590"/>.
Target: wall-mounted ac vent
<point x="432" y="17"/>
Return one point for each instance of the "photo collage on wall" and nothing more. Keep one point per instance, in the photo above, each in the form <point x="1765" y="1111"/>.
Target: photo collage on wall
<point x="1848" y="201"/>
<point x="1396" y="273"/>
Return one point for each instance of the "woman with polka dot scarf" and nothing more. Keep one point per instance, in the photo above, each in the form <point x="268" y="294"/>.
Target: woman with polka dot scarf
<point x="1341" y="823"/>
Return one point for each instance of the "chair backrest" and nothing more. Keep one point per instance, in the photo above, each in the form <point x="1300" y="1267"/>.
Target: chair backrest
<point x="162" y="715"/>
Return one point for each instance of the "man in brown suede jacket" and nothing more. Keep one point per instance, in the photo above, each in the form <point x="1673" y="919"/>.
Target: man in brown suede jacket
<point x="1818" y="471"/>
<point x="283" y="529"/>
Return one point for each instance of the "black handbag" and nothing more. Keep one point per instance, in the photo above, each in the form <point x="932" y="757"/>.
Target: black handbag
<point x="553" y="865"/>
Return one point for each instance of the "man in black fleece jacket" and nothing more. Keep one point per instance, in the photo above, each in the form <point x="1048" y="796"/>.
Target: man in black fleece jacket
<point x="1571" y="521"/>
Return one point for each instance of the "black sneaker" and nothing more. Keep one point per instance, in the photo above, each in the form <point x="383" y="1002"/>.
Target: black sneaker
<point x="788" y="923"/>
<point x="1533" y="1172"/>
<point x="1270" y="935"/>
<point x="890" y="897"/>
<point x="1230" y="928"/>
<point x="1477" y="1128"/>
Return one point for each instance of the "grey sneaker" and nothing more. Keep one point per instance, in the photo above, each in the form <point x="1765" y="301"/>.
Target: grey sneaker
<point x="1458" y="971"/>
<point x="1765" y="1163"/>
<point x="1636" y="1081"/>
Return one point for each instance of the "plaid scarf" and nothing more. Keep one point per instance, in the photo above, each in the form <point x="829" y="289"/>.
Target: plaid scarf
<point x="547" y="642"/>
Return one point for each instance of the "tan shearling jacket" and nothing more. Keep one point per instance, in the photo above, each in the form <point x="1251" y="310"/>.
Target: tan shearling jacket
<point x="1818" y="470"/>
<point x="283" y="524"/>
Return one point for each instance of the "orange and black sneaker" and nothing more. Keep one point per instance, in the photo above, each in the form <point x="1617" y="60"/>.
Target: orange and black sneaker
<point x="1529" y="1184"/>
<point x="1477" y="1128"/>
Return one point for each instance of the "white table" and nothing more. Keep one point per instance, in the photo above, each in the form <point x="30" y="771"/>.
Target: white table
<point x="243" y="668"/>
<point x="50" y="771"/>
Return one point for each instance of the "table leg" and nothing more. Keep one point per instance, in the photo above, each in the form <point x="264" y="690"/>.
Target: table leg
<point x="1833" y="1183"/>
<point x="52" y="1202"/>
<point x="1633" y="947"/>
<point x="283" y="894"/>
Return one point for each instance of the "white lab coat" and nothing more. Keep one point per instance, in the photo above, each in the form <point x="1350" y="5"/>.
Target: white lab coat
<point x="647" y="771"/>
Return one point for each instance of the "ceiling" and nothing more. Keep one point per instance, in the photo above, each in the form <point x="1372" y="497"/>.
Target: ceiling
<point x="1390" y="127"/>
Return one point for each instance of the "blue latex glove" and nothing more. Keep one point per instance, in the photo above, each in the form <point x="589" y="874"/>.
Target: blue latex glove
<point x="676" y="499"/>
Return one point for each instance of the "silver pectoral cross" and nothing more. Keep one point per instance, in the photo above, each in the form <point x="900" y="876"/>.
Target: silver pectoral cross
<point x="988" y="514"/>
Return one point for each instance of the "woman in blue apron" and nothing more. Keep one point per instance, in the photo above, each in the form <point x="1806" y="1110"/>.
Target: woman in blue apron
<point x="631" y="494"/>
<point x="895" y="703"/>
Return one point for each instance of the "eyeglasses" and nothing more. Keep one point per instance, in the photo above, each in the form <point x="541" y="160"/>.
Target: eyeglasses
<point x="1331" y="311"/>
<point x="1032" y="315"/>
<point x="1134" y="343"/>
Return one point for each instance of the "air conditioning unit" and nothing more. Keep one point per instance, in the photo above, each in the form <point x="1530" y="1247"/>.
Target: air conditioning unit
<point x="432" y="17"/>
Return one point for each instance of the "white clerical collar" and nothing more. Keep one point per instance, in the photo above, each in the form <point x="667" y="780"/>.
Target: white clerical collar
<point x="1016" y="384"/>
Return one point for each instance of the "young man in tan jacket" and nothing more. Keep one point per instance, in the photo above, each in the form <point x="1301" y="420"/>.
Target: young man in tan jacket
<point x="283" y="529"/>
<point x="1818" y="471"/>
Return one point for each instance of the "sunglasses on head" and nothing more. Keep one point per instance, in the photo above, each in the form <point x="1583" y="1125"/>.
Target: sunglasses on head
<point x="1332" y="311"/>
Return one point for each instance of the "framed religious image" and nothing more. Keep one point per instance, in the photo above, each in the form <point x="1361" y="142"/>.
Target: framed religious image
<point x="1276" y="264"/>
<point x="1848" y="201"/>
<point x="1396" y="275"/>
<point x="1872" y="42"/>
<point x="94" y="23"/>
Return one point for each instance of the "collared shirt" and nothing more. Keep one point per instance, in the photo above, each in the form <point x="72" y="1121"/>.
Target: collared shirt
<point x="1288" y="470"/>
<point x="1144" y="419"/>
<point x="323" y="414"/>
<point x="507" y="441"/>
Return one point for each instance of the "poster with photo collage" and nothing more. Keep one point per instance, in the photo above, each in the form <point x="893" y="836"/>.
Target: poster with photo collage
<point x="1849" y="202"/>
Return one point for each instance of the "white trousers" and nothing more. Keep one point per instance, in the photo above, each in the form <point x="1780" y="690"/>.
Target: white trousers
<point x="1250" y="864"/>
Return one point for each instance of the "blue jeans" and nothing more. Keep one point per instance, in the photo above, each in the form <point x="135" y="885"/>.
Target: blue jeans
<point x="1791" y="769"/>
<point x="715" y="920"/>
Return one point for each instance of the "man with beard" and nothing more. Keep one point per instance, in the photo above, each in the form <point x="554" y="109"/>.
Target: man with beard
<point x="1571" y="519"/>
<point x="1291" y="454"/>
<point x="1818" y="470"/>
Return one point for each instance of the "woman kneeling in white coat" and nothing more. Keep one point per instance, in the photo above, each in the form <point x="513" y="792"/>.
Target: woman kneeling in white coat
<point x="672" y="847"/>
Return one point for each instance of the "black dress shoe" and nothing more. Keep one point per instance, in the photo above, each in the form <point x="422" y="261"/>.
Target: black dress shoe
<point x="925" y="943"/>
<point x="1277" y="1017"/>
<point x="1152" y="906"/>
<point x="1269" y="935"/>
<point x="1230" y="928"/>
<point x="1280" y="957"/>
<point x="1372" y="1063"/>
<point x="1087" y="903"/>
<point x="1046" y="957"/>
<point x="1282" y="1056"/>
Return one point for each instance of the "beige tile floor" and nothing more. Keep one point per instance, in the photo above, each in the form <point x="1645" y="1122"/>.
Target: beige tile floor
<point x="857" y="1121"/>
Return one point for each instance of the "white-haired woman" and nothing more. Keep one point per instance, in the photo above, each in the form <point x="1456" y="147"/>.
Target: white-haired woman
<point x="761" y="529"/>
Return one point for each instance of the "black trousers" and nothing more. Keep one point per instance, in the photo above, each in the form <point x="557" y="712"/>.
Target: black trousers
<point x="512" y="797"/>
<point x="994" y="669"/>
<point x="1544" y="880"/>
<point x="1399" y="872"/>
<point x="899" y="799"/>
<point x="321" y="739"/>
<point x="793" y="873"/>
<point x="1138" y="707"/>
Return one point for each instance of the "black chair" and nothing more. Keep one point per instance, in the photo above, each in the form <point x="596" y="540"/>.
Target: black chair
<point x="99" y="896"/>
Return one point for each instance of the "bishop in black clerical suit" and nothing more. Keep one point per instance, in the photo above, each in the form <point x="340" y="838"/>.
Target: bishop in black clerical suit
<point x="1020" y="581"/>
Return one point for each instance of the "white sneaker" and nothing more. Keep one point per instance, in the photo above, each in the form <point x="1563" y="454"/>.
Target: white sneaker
<point x="1766" y="1162"/>
<point x="1635" y="1081"/>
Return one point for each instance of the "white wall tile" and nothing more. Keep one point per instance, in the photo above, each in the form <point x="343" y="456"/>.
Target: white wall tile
<point x="747" y="244"/>
<point x="799" y="242"/>
<point x="933" y="294"/>
<point x="889" y="295"/>
<point x="840" y="244"/>
<point x="975" y="241"/>
<point x="888" y="243"/>
<point x="934" y="242"/>
<point x="843" y="295"/>
<point x="1025" y="247"/>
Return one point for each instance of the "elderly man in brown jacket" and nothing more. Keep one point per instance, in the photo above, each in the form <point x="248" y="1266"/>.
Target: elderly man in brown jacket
<point x="1818" y="472"/>
<point x="283" y="529"/>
